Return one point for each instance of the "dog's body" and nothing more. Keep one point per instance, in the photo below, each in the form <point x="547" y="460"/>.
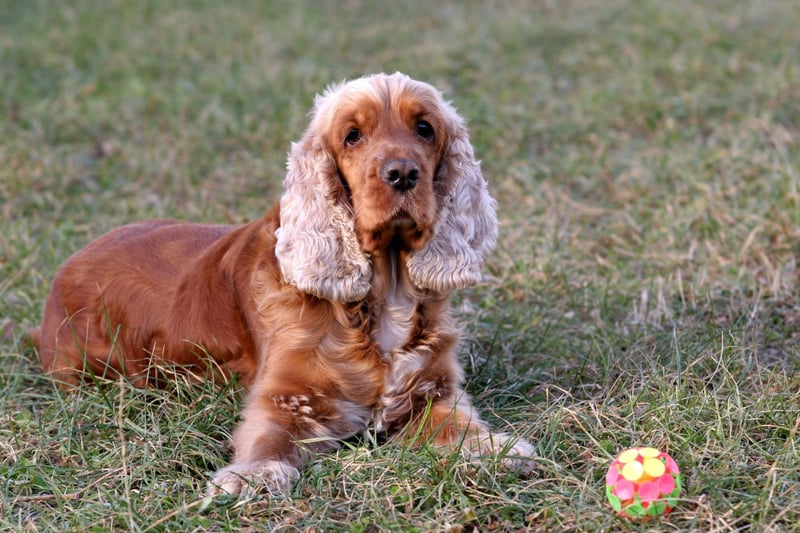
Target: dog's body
<point x="332" y="309"/>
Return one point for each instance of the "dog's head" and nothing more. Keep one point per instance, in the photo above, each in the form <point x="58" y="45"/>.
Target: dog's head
<point x="386" y="161"/>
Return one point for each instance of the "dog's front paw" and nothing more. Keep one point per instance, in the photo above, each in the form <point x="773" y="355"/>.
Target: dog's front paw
<point x="515" y="454"/>
<point x="271" y="476"/>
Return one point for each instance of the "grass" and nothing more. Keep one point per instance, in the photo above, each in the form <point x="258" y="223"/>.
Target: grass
<point x="644" y="291"/>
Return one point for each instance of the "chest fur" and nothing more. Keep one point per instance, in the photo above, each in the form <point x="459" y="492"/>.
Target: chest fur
<point x="395" y="321"/>
<point x="394" y="333"/>
<point x="400" y="329"/>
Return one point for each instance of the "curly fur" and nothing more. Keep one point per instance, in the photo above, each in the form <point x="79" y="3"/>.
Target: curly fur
<point x="332" y="308"/>
<point x="317" y="245"/>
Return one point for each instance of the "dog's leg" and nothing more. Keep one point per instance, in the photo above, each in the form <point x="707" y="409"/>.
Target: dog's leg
<point x="284" y="425"/>
<point x="453" y="422"/>
<point x="268" y="447"/>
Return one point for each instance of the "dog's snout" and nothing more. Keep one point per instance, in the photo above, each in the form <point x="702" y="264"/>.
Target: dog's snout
<point x="401" y="174"/>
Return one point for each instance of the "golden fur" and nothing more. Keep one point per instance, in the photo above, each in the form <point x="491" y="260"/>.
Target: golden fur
<point x="332" y="308"/>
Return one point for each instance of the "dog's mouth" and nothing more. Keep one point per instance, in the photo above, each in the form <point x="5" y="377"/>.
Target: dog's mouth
<point x="401" y="231"/>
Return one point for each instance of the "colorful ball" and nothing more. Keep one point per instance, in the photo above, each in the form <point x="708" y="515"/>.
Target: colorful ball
<point x="642" y="483"/>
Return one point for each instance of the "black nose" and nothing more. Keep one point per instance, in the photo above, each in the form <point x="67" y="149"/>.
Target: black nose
<point x="400" y="174"/>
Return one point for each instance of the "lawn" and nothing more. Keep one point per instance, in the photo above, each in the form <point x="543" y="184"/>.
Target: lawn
<point x="645" y="156"/>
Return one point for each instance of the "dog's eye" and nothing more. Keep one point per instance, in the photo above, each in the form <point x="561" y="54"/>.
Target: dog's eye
<point x="425" y="130"/>
<point x="353" y="136"/>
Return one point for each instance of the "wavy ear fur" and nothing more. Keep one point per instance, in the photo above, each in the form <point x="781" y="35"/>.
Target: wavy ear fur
<point x="317" y="247"/>
<point x="466" y="232"/>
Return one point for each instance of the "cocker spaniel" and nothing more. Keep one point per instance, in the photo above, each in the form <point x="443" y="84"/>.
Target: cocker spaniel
<point x="332" y="309"/>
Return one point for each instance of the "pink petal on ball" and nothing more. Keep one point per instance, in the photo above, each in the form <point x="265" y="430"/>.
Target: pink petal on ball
<point x="672" y="466"/>
<point x="612" y="476"/>
<point x="666" y="484"/>
<point x="648" y="491"/>
<point x="624" y="489"/>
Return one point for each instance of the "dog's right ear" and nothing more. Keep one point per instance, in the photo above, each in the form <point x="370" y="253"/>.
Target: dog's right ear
<point x="317" y="247"/>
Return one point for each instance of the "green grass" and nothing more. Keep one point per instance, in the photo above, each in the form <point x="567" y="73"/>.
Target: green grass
<point x="645" y="156"/>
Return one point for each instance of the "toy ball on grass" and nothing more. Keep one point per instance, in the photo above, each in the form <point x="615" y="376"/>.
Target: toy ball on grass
<point x="642" y="483"/>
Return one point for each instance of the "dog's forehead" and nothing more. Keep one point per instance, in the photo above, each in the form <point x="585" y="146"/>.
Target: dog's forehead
<point x="365" y="99"/>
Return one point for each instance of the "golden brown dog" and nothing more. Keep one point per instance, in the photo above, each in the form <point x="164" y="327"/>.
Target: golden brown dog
<point x="332" y="309"/>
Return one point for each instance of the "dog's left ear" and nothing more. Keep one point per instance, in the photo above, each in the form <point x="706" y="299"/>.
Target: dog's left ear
<point x="466" y="232"/>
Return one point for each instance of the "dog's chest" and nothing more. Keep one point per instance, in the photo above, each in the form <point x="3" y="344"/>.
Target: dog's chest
<point x="394" y="332"/>
<point x="395" y="321"/>
<point x="395" y="325"/>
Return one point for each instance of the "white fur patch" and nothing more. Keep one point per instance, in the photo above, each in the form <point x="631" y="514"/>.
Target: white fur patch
<point x="396" y="321"/>
<point x="274" y="476"/>
<point x="396" y="316"/>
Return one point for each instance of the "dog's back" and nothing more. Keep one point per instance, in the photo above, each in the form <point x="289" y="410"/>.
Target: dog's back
<point x="161" y="277"/>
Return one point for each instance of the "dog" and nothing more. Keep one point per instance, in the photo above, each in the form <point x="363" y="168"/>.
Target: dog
<point x="332" y="309"/>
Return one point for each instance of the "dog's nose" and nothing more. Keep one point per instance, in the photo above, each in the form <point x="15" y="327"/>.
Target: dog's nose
<point x="401" y="174"/>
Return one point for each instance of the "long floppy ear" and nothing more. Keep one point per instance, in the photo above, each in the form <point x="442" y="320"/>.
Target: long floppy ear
<point x="317" y="247"/>
<point x="466" y="231"/>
